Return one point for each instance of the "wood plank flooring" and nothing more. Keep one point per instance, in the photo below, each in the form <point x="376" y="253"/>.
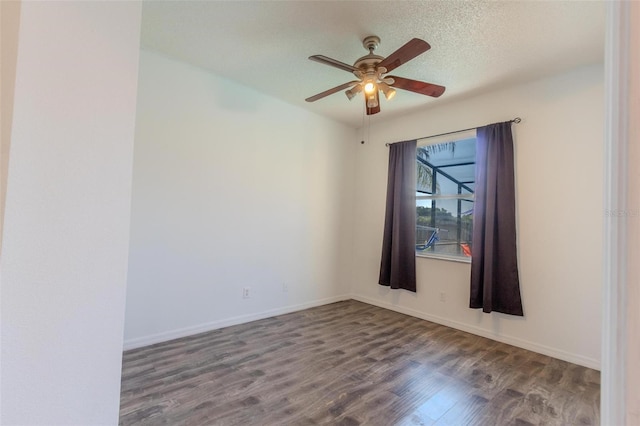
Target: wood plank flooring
<point x="350" y="363"/>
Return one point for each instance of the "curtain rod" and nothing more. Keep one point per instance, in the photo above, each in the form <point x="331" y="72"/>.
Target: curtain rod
<point x="515" y="120"/>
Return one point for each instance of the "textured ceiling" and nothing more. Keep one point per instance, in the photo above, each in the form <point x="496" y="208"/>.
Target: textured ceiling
<point x="476" y="46"/>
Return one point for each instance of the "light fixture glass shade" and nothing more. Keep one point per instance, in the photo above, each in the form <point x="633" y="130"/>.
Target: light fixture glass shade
<point x="389" y="92"/>
<point x="372" y="100"/>
<point x="351" y="93"/>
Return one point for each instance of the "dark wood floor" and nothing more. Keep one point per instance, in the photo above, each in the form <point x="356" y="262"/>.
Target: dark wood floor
<point x="350" y="363"/>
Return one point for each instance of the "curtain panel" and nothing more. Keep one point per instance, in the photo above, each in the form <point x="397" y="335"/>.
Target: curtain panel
<point x="495" y="284"/>
<point x="398" y="264"/>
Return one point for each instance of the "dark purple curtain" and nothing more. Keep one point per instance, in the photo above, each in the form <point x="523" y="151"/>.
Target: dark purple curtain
<point x="398" y="265"/>
<point x="495" y="284"/>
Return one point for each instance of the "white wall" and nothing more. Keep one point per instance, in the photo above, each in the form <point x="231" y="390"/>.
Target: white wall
<point x="559" y="203"/>
<point x="633" y="272"/>
<point x="231" y="189"/>
<point x="64" y="261"/>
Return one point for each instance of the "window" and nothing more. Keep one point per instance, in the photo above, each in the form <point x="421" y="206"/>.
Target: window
<point x="444" y="198"/>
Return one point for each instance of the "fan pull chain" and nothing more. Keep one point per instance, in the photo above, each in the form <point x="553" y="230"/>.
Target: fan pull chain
<point x="362" y="125"/>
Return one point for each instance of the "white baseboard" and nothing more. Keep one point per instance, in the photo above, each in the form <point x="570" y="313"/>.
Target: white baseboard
<point x="165" y="336"/>
<point x="510" y="340"/>
<point x="241" y="319"/>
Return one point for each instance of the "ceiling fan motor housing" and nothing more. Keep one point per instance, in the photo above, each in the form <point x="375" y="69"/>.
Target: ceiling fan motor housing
<point x="368" y="62"/>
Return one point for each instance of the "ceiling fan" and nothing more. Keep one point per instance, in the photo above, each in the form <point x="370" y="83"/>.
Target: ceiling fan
<point x="370" y="70"/>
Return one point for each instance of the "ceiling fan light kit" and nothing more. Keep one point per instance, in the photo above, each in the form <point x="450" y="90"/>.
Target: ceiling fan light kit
<point x="353" y="91"/>
<point x="370" y="70"/>
<point x="388" y="92"/>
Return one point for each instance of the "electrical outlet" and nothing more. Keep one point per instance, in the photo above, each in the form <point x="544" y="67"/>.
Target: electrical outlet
<point x="443" y="296"/>
<point x="246" y="292"/>
<point x="285" y="288"/>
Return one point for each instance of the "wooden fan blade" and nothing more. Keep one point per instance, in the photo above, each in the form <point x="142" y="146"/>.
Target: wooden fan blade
<point x="333" y="62"/>
<point x="374" y="110"/>
<point x="417" y="86"/>
<point x="331" y="91"/>
<point x="410" y="50"/>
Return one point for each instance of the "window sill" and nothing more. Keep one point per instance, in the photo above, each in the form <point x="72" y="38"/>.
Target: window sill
<point x="466" y="260"/>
